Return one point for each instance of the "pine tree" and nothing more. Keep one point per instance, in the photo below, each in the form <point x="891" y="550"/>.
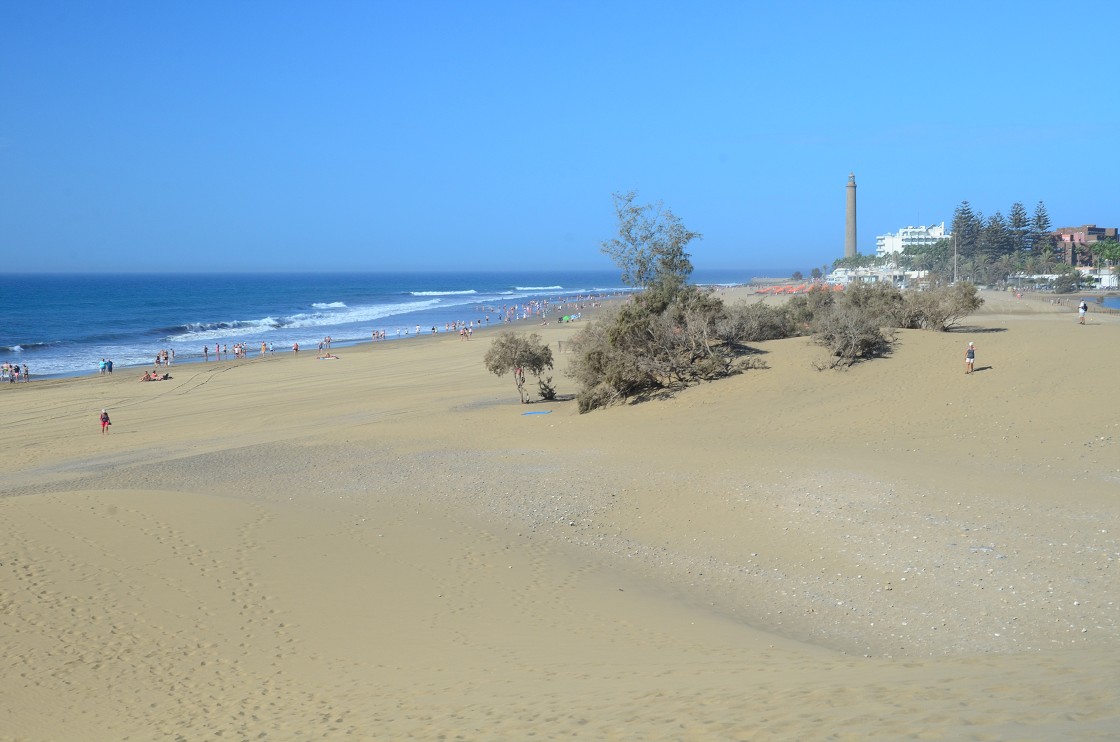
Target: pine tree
<point x="995" y="240"/>
<point x="1042" y="242"/>
<point x="966" y="230"/>
<point x="1019" y="225"/>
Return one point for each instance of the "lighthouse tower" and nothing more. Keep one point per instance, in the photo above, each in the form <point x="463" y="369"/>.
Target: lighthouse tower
<point x="850" y="222"/>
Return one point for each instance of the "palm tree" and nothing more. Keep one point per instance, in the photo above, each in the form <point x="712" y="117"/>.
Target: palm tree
<point x="967" y="269"/>
<point x="1003" y="267"/>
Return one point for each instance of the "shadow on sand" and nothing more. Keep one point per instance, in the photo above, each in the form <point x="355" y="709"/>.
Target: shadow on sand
<point x="977" y="330"/>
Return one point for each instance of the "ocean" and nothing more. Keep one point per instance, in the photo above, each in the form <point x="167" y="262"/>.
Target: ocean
<point x="63" y="325"/>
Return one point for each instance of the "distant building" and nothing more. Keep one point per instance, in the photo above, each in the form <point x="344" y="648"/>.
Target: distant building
<point x="894" y="276"/>
<point x="888" y="244"/>
<point x="1075" y="244"/>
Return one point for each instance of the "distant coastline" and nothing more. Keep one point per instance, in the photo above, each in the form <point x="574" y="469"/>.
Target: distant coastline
<point x="63" y="324"/>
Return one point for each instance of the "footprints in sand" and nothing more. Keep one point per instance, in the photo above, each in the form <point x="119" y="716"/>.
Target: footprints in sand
<point x="100" y="592"/>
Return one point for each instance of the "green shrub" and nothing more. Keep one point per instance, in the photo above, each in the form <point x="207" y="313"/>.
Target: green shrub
<point x="651" y="344"/>
<point x="510" y="352"/>
<point x="938" y="309"/>
<point x="802" y="310"/>
<point x="881" y="300"/>
<point x="753" y="323"/>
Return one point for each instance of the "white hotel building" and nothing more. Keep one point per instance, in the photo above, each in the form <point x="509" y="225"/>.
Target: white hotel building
<point x="888" y="244"/>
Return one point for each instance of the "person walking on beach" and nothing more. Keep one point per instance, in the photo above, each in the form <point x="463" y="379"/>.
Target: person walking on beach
<point x="1082" y="309"/>
<point x="969" y="358"/>
<point x="105" y="422"/>
<point x="101" y="367"/>
<point x="26" y="373"/>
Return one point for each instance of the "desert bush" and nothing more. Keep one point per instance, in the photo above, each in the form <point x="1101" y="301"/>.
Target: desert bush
<point x="510" y="352"/>
<point x="545" y="387"/>
<point x="852" y="333"/>
<point x="882" y="300"/>
<point x="650" y="344"/>
<point x="939" y="309"/>
<point x="803" y="310"/>
<point x="753" y="323"/>
<point x="604" y="372"/>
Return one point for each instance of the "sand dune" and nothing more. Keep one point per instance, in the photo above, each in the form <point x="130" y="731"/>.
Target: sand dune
<point x="385" y="547"/>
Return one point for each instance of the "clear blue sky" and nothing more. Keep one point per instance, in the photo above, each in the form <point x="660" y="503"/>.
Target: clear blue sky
<point x="206" y="136"/>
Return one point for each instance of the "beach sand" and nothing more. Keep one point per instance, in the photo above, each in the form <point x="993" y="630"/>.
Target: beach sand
<point x="384" y="546"/>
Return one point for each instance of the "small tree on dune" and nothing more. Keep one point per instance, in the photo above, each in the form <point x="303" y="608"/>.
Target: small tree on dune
<point x="516" y="354"/>
<point x="650" y="248"/>
<point x="671" y="334"/>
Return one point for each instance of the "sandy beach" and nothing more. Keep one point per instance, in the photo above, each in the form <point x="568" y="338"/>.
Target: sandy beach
<point x="384" y="546"/>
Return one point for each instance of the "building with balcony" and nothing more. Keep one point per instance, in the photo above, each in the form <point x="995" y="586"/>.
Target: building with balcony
<point x="892" y="244"/>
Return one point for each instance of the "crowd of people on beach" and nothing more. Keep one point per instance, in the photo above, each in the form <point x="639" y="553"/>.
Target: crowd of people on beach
<point x="506" y="313"/>
<point x="11" y="372"/>
<point x="240" y="351"/>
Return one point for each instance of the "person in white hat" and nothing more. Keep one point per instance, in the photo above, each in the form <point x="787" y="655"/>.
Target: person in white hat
<point x="969" y="358"/>
<point x="105" y="422"/>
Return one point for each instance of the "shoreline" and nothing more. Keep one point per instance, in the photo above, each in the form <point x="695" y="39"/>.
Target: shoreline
<point x="255" y="354"/>
<point x="744" y="289"/>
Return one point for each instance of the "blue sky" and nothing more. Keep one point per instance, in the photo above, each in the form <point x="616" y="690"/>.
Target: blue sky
<point x="451" y="135"/>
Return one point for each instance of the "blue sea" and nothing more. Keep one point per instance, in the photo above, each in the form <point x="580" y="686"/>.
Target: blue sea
<point x="63" y="325"/>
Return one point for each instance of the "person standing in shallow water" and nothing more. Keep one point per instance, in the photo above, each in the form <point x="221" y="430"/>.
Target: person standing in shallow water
<point x="970" y="358"/>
